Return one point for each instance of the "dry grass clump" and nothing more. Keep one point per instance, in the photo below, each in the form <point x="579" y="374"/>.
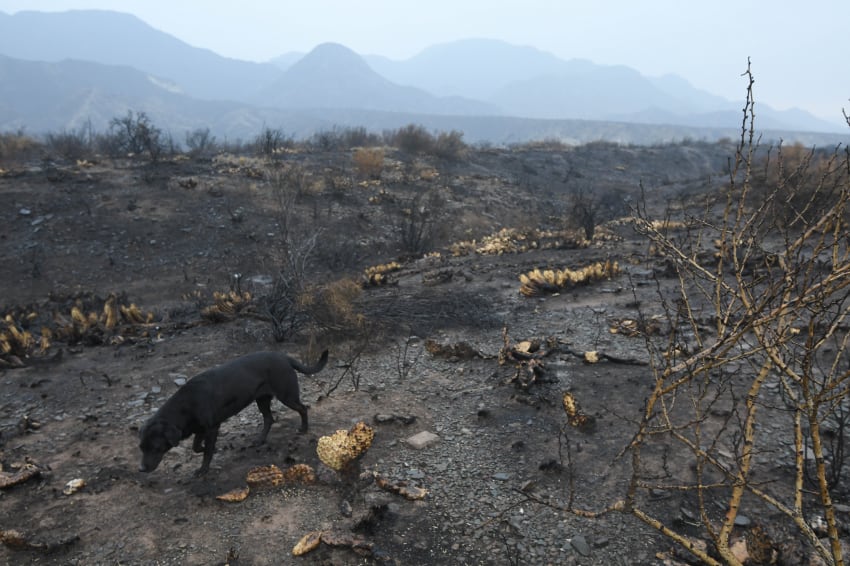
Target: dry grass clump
<point x="332" y="306"/>
<point x="17" y="146"/>
<point x="369" y="162"/>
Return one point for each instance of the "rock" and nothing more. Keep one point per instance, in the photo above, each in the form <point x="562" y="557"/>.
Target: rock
<point x="742" y="521"/>
<point x="601" y="542"/>
<point x="501" y="476"/>
<point x="579" y="543"/>
<point x="422" y="440"/>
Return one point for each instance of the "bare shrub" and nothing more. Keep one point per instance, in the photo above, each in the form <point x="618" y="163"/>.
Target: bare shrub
<point x="71" y="144"/>
<point x="271" y="141"/>
<point x="344" y="138"/>
<point x="201" y="143"/>
<point x="417" y="219"/>
<point x="296" y="245"/>
<point x="588" y="209"/>
<point x="796" y="174"/>
<point x="134" y="134"/>
<point x="450" y="146"/>
<point x="757" y="342"/>
<point x="413" y="139"/>
<point x="284" y="304"/>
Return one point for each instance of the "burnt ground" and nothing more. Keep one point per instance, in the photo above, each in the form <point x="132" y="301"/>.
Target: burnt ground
<point x="166" y="236"/>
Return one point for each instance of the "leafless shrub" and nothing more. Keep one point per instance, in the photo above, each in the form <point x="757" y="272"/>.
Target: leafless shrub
<point x="767" y="312"/>
<point x="417" y="219"/>
<point x="450" y="146"/>
<point x="284" y="304"/>
<point x="413" y="139"/>
<point x="344" y="138"/>
<point x="134" y="134"/>
<point x="271" y="141"/>
<point x="201" y="143"/>
<point x="71" y="144"/>
<point x="296" y="245"/>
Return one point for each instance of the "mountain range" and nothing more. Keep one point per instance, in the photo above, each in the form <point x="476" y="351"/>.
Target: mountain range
<point x="59" y="70"/>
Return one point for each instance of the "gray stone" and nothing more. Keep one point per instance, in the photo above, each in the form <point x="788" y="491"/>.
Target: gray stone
<point x="422" y="439"/>
<point x="579" y="543"/>
<point x="501" y="476"/>
<point x="601" y="542"/>
<point x="742" y="521"/>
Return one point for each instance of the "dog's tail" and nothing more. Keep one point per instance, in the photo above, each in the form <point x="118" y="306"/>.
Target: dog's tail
<point x="315" y="368"/>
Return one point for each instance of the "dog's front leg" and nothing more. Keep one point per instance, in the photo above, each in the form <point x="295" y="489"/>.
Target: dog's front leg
<point x="209" y="439"/>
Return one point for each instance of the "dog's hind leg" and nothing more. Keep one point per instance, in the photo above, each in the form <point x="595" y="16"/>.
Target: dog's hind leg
<point x="265" y="406"/>
<point x="198" y="443"/>
<point x="291" y="397"/>
<point x="296" y="405"/>
<point x="210" y="437"/>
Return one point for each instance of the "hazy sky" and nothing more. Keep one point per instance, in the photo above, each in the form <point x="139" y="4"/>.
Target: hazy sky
<point x="800" y="51"/>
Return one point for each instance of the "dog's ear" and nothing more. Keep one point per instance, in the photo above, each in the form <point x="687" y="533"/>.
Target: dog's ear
<point x="172" y="435"/>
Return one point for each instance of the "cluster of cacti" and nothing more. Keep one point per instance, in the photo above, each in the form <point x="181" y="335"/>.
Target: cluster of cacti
<point x="539" y="281"/>
<point x="14" y="340"/>
<point x="377" y="275"/>
<point x="226" y="305"/>
<point x="512" y="240"/>
<point x="80" y="324"/>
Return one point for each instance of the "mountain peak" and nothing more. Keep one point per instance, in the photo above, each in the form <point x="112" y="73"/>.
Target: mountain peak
<point x="333" y="57"/>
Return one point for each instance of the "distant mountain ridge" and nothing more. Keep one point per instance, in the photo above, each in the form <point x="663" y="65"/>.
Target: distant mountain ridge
<point x="527" y="82"/>
<point x="115" y="38"/>
<point x="333" y="76"/>
<point x="61" y="69"/>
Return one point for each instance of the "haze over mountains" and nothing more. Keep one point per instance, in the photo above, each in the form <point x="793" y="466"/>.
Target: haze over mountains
<point x="61" y="70"/>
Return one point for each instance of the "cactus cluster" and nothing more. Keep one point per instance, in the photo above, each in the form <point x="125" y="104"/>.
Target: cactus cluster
<point x="539" y="281"/>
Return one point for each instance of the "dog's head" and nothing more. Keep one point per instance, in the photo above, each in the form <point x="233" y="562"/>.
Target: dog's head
<point x="155" y="439"/>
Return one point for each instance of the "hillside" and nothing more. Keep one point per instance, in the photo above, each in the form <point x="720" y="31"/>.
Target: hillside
<point x="410" y="271"/>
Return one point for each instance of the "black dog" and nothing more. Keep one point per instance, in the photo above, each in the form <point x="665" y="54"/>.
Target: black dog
<point x="211" y="397"/>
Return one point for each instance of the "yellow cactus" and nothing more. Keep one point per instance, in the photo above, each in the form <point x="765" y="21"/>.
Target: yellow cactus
<point x="110" y="312"/>
<point x="338" y="450"/>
